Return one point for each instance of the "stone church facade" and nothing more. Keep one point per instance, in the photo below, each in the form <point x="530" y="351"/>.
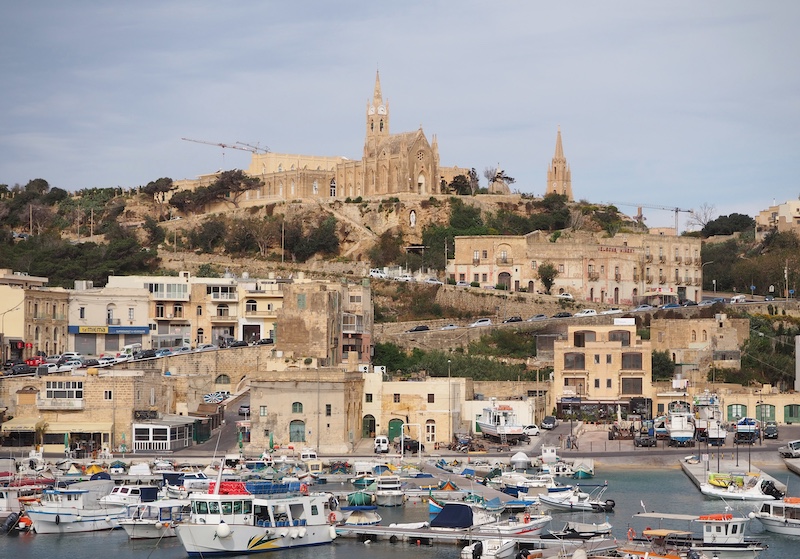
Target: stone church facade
<point x="406" y="163"/>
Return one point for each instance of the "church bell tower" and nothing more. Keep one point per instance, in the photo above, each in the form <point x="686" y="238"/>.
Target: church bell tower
<point x="559" y="176"/>
<point x="377" y="120"/>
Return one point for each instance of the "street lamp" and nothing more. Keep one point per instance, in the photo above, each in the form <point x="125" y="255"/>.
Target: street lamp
<point x="703" y="265"/>
<point x="736" y="442"/>
<point x="449" y="402"/>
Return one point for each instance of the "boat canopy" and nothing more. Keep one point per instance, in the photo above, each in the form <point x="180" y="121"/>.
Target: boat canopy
<point x="453" y="515"/>
<point x="663" y="533"/>
<point x="666" y="516"/>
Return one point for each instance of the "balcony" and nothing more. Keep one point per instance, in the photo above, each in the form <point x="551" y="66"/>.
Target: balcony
<point x="476" y="261"/>
<point x="261" y="314"/>
<point x="230" y="317"/>
<point x="636" y="277"/>
<point x="648" y="258"/>
<point x="60" y="403"/>
<point x="594" y="276"/>
<point x="500" y="261"/>
<point x="224" y="296"/>
<point x="678" y="281"/>
<point x="698" y="281"/>
<point x="662" y="259"/>
<point x="648" y="278"/>
<point x="113" y="321"/>
<point x="678" y="260"/>
<point x="687" y="280"/>
<point x="662" y="279"/>
<point x="698" y="262"/>
<point x="618" y="277"/>
<point x="43" y="316"/>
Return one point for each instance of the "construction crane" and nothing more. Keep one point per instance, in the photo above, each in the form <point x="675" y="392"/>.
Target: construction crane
<point x="238" y="145"/>
<point x="653" y="207"/>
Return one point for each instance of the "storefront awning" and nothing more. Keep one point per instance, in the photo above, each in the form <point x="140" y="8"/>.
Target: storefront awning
<point x="80" y="427"/>
<point x="17" y="424"/>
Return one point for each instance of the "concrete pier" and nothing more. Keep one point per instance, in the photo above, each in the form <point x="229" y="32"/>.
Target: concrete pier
<point x="724" y="462"/>
<point x="793" y="464"/>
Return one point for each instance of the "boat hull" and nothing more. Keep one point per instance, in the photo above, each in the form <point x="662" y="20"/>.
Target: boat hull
<point x="389" y="498"/>
<point x="778" y="525"/>
<point x="732" y="495"/>
<point x="54" y="521"/>
<point x="147" y="529"/>
<point x="201" y="540"/>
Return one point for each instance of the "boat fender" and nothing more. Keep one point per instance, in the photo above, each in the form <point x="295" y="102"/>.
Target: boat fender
<point x="631" y="533"/>
<point x="527" y="517"/>
<point x="223" y="530"/>
<point x="332" y="532"/>
<point x="10" y="522"/>
<point x="301" y="532"/>
<point x="332" y="518"/>
<point x="159" y="525"/>
<point x="393" y="538"/>
<point x="304" y="489"/>
<point x="58" y="520"/>
<point x="523" y="554"/>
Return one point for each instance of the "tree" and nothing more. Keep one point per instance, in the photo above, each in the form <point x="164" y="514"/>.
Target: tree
<point x="388" y="248"/>
<point x="230" y="185"/>
<point x="728" y="224"/>
<point x="473" y="181"/>
<point x="155" y="233"/>
<point x="663" y="366"/>
<point x="37" y="186"/>
<point x="159" y="189"/>
<point x="547" y="274"/>
<point x="702" y="216"/>
<point x="460" y="186"/>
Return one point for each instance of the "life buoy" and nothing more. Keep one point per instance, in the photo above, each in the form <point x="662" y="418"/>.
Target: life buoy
<point x="332" y="518"/>
<point x="527" y="518"/>
<point x="631" y="533"/>
<point x="304" y="489"/>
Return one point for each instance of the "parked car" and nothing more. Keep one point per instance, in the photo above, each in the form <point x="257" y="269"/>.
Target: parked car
<point x="688" y="303"/>
<point x="106" y="360"/>
<point x="771" y="430"/>
<point x="462" y="283"/>
<point x="769" y="298"/>
<point x="20" y="369"/>
<point x="412" y="446"/>
<point x="53" y="358"/>
<point x="11" y="362"/>
<point x="71" y="355"/>
<point x="90" y="363"/>
<point x="643" y="308"/>
<point x="613" y="310"/>
<point x="35" y="361"/>
<point x="586" y="312"/>
<point x="670" y="306"/>
<point x="512" y="319"/>
<point x="644" y="440"/>
<point x="182" y="349"/>
<point x="244" y="409"/>
<point x="450" y="327"/>
<point x="481" y="322"/>
<point x="536" y="317"/>
<point x="145" y="354"/>
<point x="406" y="278"/>
<point x="265" y="341"/>
<point x="206" y="347"/>
<point x="549" y="422"/>
<point x="531" y="430"/>
<point x="433" y="281"/>
<point x="237" y="343"/>
<point x="706" y="303"/>
<point x="72" y="364"/>
<point x="419" y="328"/>
<point x="565" y="296"/>
<point x="163" y="352"/>
<point x="377" y="273"/>
<point x="562" y="314"/>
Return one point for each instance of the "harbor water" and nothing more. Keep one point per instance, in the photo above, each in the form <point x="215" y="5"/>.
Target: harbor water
<point x="660" y="490"/>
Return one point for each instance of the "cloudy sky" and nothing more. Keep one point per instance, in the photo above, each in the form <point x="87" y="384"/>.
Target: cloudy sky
<point x="674" y="104"/>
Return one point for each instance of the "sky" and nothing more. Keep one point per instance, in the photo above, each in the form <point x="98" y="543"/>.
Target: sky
<point x="681" y="104"/>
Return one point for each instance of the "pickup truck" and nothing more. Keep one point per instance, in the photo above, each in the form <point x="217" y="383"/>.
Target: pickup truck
<point x="791" y="450"/>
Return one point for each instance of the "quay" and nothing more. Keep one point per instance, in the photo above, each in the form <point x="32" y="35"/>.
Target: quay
<point x="728" y="462"/>
<point x="793" y="464"/>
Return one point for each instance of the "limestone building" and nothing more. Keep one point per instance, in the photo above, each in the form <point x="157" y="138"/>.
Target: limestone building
<point x="598" y="367"/>
<point x="559" y="175"/>
<point x="626" y="269"/>
<point x="780" y="217"/>
<point x="391" y="164"/>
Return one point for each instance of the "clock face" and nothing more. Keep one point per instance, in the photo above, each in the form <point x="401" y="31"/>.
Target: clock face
<point x="372" y="110"/>
<point x="381" y="110"/>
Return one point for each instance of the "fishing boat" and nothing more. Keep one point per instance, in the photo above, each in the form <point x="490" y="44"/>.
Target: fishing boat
<point x="723" y="536"/>
<point x="461" y="516"/>
<point x="389" y="491"/>
<point x="680" y="424"/>
<point x="578" y="500"/>
<point x="490" y="548"/>
<point x="230" y="521"/>
<point x="360" y="498"/>
<point x="130" y="495"/>
<point x="155" y="519"/>
<point x="708" y="421"/>
<point x="366" y="515"/>
<point x="747" y="430"/>
<point x="77" y="508"/>
<point x="499" y="422"/>
<point x="583" y="468"/>
<point x="745" y="487"/>
<point x="780" y="517"/>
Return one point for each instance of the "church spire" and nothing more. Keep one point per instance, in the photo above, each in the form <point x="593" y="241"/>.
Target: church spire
<point x="377" y="98"/>
<point x="377" y="120"/>
<point x="559" y="176"/>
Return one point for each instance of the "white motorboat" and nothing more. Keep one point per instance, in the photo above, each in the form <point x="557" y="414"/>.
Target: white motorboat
<point x="156" y="519"/>
<point x="680" y="424"/>
<point x="76" y="508"/>
<point x="499" y="421"/>
<point x="362" y="515"/>
<point x="780" y="517"/>
<point x="389" y="491"/>
<point x="231" y="521"/>
<point x="490" y="548"/>
<point x="708" y="423"/>
<point x="462" y="516"/>
<point x="723" y="536"/>
<point x="130" y="495"/>
<point x="578" y="500"/>
<point x="520" y="523"/>
<point x="743" y="488"/>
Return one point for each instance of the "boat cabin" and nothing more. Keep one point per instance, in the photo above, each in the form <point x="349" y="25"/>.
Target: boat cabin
<point x="722" y="529"/>
<point x="780" y="510"/>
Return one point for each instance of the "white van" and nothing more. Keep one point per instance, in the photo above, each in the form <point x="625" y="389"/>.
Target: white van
<point x="738" y="299"/>
<point x="381" y="444"/>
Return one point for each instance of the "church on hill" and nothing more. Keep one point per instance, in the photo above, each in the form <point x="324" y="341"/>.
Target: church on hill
<point x="391" y="165"/>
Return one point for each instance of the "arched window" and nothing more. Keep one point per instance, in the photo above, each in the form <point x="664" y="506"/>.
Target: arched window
<point x="297" y="407"/>
<point x="199" y="310"/>
<point x="250" y="305"/>
<point x="200" y="335"/>
<point x="222" y="379"/>
<point x="694" y="336"/>
<point x="705" y="336"/>
<point x="297" y="431"/>
<point x="430" y="431"/>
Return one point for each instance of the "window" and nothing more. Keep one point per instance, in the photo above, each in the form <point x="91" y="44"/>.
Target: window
<point x="328" y="410"/>
<point x="705" y="336"/>
<point x="64" y="389"/>
<point x="250" y="306"/>
<point x="608" y="383"/>
<point x="431" y="399"/>
<point x="108" y="395"/>
<point x="484" y="277"/>
<point x="160" y="310"/>
<point x="297" y="407"/>
<point x="631" y="386"/>
<point x="223" y="310"/>
<point x="177" y="309"/>
<point x="485" y="254"/>
<point x="574" y="361"/>
<point x="597" y="361"/>
<point x="608" y="359"/>
<point x="597" y="383"/>
<point x="368" y="398"/>
<point x="199" y="310"/>
<point x="82" y="312"/>
<point x="694" y="336"/>
<point x="396" y="398"/>
<point x="622" y="336"/>
<point x="262" y="411"/>
<point x="533" y="265"/>
<point x="301" y="301"/>
<point x="476" y="255"/>
<point x="560" y="268"/>
<point x="131" y="313"/>
<point x="632" y="361"/>
<point x="661" y="336"/>
<point x="222" y="379"/>
<point x="476" y="277"/>
<point x="355" y="298"/>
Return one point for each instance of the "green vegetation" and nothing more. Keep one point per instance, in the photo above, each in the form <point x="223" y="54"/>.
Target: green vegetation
<point x="502" y="342"/>
<point x="547" y="274"/>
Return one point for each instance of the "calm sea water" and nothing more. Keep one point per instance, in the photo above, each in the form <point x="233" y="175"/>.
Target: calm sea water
<point x="660" y="490"/>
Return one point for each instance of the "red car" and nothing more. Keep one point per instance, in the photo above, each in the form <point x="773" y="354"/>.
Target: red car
<point x="35" y="361"/>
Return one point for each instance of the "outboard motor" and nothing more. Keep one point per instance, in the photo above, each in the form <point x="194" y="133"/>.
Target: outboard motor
<point x="477" y="550"/>
<point x="768" y="488"/>
<point x="610" y="504"/>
